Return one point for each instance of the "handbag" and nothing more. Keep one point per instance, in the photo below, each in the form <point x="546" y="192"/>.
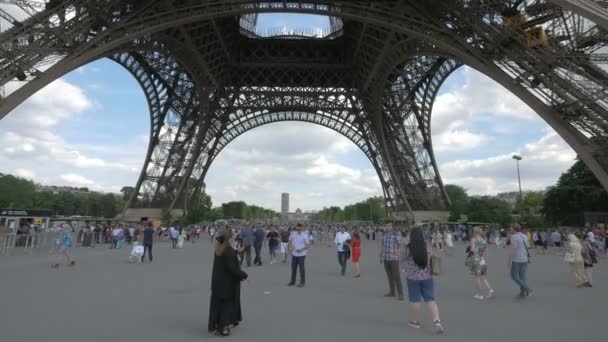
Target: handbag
<point x="435" y="268"/>
<point x="569" y="257"/>
<point x="593" y="256"/>
<point x="347" y="251"/>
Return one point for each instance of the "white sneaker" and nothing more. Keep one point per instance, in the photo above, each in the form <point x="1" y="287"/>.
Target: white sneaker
<point x="478" y="296"/>
<point x="490" y="294"/>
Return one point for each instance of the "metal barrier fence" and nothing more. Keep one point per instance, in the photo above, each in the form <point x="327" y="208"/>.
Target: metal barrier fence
<point x="14" y="243"/>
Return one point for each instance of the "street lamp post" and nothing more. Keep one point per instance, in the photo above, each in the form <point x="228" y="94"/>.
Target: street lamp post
<point x="517" y="159"/>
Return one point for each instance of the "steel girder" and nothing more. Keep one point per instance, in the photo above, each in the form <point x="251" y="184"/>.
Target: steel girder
<point x="397" y="55"/>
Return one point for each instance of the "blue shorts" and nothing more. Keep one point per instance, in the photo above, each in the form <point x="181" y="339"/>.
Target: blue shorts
<point x="421" y="290"/>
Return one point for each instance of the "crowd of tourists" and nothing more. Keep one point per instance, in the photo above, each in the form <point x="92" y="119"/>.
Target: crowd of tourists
<point x="410" y="257"/>
<point x="414" y="255"/>
<point x="140" y="238"/>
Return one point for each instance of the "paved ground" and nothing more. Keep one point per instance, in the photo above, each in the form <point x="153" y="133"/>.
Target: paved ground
<point x="105" y="299"/>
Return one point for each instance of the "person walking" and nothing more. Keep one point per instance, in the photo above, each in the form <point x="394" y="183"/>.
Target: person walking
<point x="298" y="245"/>
<point x="258" y="242"/>
<point x="574" y="258"/>
<point x="65" y="243"/>
<point x="589" y="258"/>
<point x="273" y="243"/>
<point x="389" y="256"/>
<point x="479" y="266"/>
<point x="420" y="284"/>
<point x="226" y="277"/>
<point x="148" y="239"/>
<point x="341" y="237"/>
<point x="284" y="243"/>
<point x="519" y="257"/>
<point x="355" y="246"/>
<point x="247" y="236"/>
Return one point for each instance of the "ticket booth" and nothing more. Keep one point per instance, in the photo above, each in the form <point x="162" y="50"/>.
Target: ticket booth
<point x="17" y="221"/>
<point x="21" y="228"/>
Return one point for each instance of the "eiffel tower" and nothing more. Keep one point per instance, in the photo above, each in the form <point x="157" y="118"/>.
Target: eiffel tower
<point x="209" y="75"/>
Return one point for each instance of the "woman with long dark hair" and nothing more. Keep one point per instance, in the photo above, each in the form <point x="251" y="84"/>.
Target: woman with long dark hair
<point x="225" y="308"/>
<point x="419" y="279"/>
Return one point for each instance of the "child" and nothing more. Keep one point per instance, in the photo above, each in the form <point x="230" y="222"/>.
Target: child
<point x="136" y="252"/>
<point x="181" y="238"/>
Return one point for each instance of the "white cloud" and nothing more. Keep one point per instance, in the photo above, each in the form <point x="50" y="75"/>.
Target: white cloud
<point x="58" y="101"/>
<point x="76" y="180"/>
<point x="458" y="140"/>
<point x="543" y="162"/>
<point x="25" y="173"/>
<point x="29" y="139"/>
<point x="478" y="95"/>
<point x="303" y="159"/>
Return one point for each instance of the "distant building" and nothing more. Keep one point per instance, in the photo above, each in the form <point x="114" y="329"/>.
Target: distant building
<point x="285" y="203"/>
<point x="298" y="216"/>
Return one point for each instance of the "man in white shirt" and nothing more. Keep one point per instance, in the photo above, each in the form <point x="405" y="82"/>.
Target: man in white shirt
<point x="341" y="237"/>
<point x="298" y="245"/>
<point x="115" y="236"/>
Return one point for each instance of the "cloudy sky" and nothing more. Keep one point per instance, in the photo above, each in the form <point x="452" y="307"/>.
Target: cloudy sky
<point x="91" y="128"/>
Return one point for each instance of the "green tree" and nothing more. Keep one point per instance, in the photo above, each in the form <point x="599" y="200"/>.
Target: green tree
<point x="108" y="205"/>
<point x="460" y="201"/>
<point x="17" y="193"/>
<point x="126" y="192"/>
<point x="166" y="217"/>
<point x="576" y="191"/>
<point x="489" y="210"/>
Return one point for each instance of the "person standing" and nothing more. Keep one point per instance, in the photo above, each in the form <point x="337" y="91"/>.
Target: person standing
<point x="174" y="235"/>
<point x="341" y="237"/>
<point x="479" y="266"/>
<point x="148" y="234"/>
<point x="273" y="243"/>
<point x="519" y="258"/>
<point x="226" y="277"/>
<point x="436" y="252"/>
<point x="247" y="236"/>
<point x="131" y="235"/>
<point x="449" y="241"/>
<point x="284" y="243"/>
<point x="390" y="245"/>
<point x="589" y="258"/>
<point x="355" y="245"/>
<point x="420" y="284"/>
<point x="298" y="245"/>
<point x="258" y="242"/>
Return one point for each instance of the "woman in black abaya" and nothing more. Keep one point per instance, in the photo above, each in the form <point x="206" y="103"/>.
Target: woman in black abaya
<point x="225" y="308"/>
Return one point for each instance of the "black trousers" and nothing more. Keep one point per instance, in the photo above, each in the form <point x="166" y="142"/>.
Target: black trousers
<point x="342" y="260"/>
<point x="258" y="257"/>
<point x="148" y="248"/>
<point x="298" y="262"/>
<point x="247" y="253"/>
<point x="394" y="278"/>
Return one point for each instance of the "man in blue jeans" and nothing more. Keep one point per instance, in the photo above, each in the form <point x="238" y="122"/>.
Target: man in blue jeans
<point x="518" y="260"/>
<point x="247" y="236"/>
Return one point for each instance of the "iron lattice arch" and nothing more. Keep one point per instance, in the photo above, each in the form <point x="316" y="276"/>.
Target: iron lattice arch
<point x="209" y="76"/>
